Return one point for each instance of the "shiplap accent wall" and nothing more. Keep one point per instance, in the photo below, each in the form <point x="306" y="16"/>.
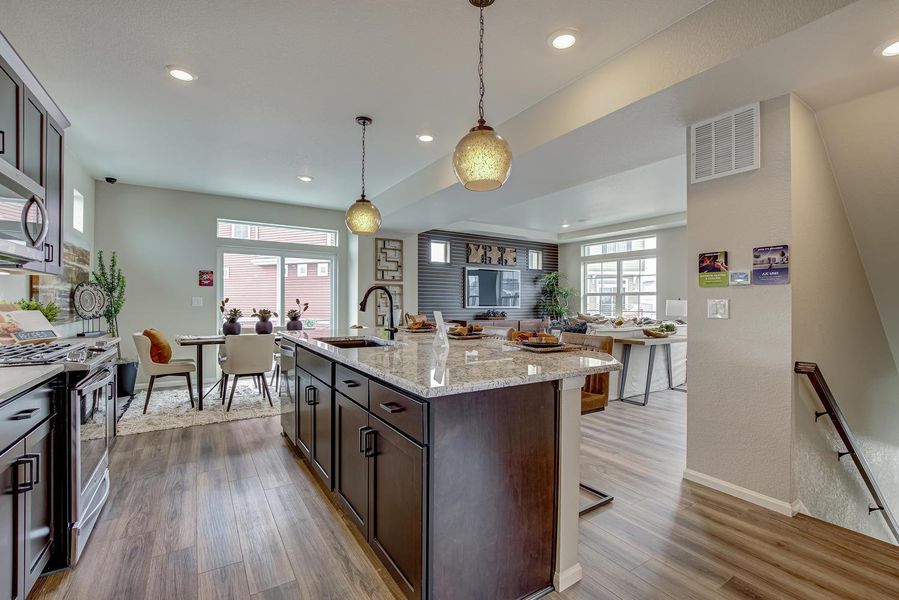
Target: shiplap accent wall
<point x="441" y="286"/>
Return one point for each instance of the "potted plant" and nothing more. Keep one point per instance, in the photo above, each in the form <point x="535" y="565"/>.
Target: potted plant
<point x="231" y="326"/>
<point x="50" y="310"/>
<point x="112" y="281"/>
<point x="264" y="326"/>
<point x="294" y="314"/>
<point x="554" y="296"/>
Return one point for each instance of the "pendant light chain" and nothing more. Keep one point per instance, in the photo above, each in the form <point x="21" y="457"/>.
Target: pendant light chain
<point x="481" y="121"/>
<point x="363" y="159"/>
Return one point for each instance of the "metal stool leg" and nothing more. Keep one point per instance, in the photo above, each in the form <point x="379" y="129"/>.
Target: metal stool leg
<point x="604" y="499"/>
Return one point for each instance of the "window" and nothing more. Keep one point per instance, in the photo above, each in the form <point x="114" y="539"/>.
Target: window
<point x="623" y="285"/>
<point x="440" y="252"/>
<point x="323" y="269"/>
<point x="619" y="247"/>
<point x="226" y="272"/>
<point x="77" y="211"/>
<point x="302" y="270"/>
<point x="535" y="260"/>
<point x="284" y="234"/>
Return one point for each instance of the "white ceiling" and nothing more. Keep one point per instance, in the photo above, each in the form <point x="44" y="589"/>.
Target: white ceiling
<point x="280" y="82"/>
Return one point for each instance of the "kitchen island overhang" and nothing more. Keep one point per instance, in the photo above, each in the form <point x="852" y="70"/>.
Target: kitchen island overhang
<point x="500" y="441"/>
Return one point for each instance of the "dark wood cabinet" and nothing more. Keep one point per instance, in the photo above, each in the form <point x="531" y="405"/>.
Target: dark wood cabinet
<point x="322" y="403"/>
<point x="54" y="191"/>
<point x="10" y="95"/>
<point x="39" y="522"/>
<point x="12" y="518"/>
<point x="396" y="501"/>
<point x="34" y="122"/>
<point x="350" y="461"/>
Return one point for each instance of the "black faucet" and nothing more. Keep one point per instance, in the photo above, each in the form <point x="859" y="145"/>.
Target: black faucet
<point x="391" y="329"/>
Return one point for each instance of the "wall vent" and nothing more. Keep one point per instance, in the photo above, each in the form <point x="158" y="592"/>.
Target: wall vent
<point x="725" y="145"/>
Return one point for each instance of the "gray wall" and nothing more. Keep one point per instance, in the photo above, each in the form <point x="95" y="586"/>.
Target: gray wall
<point x="441" y="286"/>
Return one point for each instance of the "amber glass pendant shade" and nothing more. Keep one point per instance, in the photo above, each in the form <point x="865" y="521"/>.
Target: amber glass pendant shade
<point x="482" y="160"/>
<point x="363" y="217"/>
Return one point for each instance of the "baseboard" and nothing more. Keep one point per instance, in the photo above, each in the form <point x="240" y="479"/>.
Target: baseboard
<point x="568" y="577"/>
<point x="778" y="506"/>
<point x="799" y="508"/>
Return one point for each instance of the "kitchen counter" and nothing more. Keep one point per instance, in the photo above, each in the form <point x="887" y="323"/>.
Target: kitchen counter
<point x="15" y="380"/>
<point x="414" y="364"/>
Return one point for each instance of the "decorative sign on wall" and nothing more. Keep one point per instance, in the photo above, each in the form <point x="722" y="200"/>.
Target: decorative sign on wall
<point x="713" y="269"/>
<point x="388" y="260"/>
<point x="205" y="279"/>
<point x="476" y="253"/>
<point x="510" y="257"/>
<point x="382" y="309"/>
<point x="494" y="255"/>
<point x="771" y="265"/>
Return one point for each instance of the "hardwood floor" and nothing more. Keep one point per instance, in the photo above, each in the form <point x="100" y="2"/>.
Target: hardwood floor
<point x="227" y="511"/>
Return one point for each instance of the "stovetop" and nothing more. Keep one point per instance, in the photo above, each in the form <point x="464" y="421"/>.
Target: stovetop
<point x="44" y="353"/>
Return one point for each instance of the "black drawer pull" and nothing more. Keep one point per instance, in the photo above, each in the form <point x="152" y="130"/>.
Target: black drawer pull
<point x="369" y="448"/>
<point x="24" y="414"/>
<point x="350" y="383"/>
<point x="362" y="432"/>
<point x="309" y="388"/>
<point x="2" y="142"/>
<point x="391" y="407"/>
<point x="28" y="485"/>
<point x="36" y="470"/>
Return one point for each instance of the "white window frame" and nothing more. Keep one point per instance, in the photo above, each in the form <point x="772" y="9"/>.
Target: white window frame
<point x="253" y="225"/>
<point x="535" y="260"/>
<point x="618" y="258"/>
<point x="302" y="269"/>
<point x="322" y="272"/>
<point x="77" y="211"/>
<point x="226" y="272"/>
<point x="447" y="251"/>
<point x="234" y="230"/>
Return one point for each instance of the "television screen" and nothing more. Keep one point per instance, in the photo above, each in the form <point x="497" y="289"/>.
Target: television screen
<point x="492" y="288"/>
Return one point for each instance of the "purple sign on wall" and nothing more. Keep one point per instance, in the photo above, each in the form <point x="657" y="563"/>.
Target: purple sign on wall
<point x="771" y="265"/>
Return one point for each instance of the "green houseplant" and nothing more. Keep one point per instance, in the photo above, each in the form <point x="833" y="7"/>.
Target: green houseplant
<point x="112" y="281"/>
<point x="49" y="310"/>
<point x="554" y="296"/>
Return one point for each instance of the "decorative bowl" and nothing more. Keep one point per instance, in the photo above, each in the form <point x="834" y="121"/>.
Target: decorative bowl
<point x="655" y="333"/>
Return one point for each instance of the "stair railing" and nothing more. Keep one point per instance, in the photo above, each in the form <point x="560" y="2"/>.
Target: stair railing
<point x="832" y="410"/>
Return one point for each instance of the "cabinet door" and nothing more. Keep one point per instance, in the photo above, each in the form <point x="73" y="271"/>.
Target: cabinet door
<point x="396" y="503"/>
<point x="39" y="502"/>
<point x="34" y="123"/>
<point x="350" y="462"/>
<point x="12" y="518"/>
<point x="305" y="413"/>
<point x="10" y="93"/>
<point x="321" y="446"/>
<point x="54" y="199"/>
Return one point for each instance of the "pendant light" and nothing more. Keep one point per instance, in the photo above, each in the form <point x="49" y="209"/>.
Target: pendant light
<point x="363" y="217"/>
<point x="482" y="159"/>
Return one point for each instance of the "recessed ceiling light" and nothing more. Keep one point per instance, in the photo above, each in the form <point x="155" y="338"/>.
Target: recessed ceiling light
<point x="891" y="50"/>
<point x="566" y="226"/>
<point x="305" y="178"/>
<point x="180" y="73"/>
<point x="425" y="137"/>
<point x="563" y="39"/>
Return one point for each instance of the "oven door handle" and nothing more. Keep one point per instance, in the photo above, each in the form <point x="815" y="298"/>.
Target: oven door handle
<point x="96" y="382"/>
<point x="99" y="506"/>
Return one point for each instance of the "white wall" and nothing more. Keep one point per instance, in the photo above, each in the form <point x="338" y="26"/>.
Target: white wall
<point x="164" y="237"/>
<point x="740" y="370"/>
<point x="365" y="274"/>
<point x="673" y="265"/>
<point x="837" y="325"/>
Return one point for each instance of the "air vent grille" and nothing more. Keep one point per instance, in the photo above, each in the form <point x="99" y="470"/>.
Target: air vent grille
<point x="725" y="145"/>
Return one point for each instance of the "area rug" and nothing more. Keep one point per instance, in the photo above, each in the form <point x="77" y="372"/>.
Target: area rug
<point x="170" y="409"/>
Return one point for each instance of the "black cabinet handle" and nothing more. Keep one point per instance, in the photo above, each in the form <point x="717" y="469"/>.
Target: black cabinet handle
<point x="46" y="252"/>
<point x="350" y="383"/>
<point x="20" y="487"/>
<point x="391" y="407"/>
<point x="2" y="142"/>
<point x="36" y="469"/>
<point x="362" y="432"/>
<point x="308" y="389"/>
<point x="369" y="447"/>
<point x="52" y="253"/>
<point x="24" y="414"/>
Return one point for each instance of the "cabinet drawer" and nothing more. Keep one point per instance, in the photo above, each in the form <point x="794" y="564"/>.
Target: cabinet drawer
<point x="20" y="415"/>
<point x="351" y="384"/>
<point x="316" y="365"/>
<point x="406" y="414"/>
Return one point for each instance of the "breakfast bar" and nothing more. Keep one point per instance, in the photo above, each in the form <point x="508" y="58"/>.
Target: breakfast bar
<point x="457" y="464"/>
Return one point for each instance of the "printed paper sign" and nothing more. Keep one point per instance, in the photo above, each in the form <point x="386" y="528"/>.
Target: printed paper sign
<point x="713" y="269"/>
<point x="771" y="265"/>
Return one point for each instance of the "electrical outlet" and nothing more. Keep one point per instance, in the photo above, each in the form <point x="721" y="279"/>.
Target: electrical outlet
<point x="196" y="301"/>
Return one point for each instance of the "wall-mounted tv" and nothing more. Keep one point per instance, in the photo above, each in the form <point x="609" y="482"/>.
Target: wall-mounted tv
<point x="492" y="288"/>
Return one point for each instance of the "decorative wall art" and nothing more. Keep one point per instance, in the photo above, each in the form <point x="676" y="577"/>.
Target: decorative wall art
<point x="494" y="255"/>
<point x="713" y="269"/>
<point x="382" y="306"/>
<point x="476" y="253"/>
<point x="76" y="267"/>
<point x="771" y="265"/>
<point x="205" y="279"/>
<point x="388" y="260"/>
<point x="510" y="257"/>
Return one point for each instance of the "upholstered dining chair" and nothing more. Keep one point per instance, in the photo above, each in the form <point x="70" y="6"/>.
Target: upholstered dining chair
<point x="499" y="333"/>
<point x="248" y="356"/>
<point x="182" y="367"/>
<point x="594" y="396"/>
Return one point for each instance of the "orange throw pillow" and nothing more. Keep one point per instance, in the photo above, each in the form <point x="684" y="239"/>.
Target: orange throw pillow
<point x="160" y="351"/>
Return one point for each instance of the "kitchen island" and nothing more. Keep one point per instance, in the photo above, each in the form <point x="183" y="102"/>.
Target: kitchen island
<point x="457" y="465"/>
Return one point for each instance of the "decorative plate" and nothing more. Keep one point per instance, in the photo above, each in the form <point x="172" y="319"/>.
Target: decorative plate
<point x="88" y="300"/>
<point x="471" y="336"/>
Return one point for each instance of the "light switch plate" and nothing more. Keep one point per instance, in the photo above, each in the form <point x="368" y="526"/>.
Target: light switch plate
<point x="718" y="308"/>
<point x="196" y="301"/>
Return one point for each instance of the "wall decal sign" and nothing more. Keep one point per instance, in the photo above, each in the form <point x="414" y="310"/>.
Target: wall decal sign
<point x="713" y="269"/>
<point x="205" y="279"/>
<point x="771" y="265"/>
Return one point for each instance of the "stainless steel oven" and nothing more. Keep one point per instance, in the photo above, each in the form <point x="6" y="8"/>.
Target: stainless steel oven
<point x="92" y="406"/>
<point x="24" y="222"/>
<point x="287" y="391"/>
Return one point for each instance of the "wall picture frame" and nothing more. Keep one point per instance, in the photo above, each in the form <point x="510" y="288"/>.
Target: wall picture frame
<point x="510" y="257"/>
<point x="494" y="255"/>
<point x="382" y="306"/>
<point x="476" y="253"/>
<point x="388" y="259"/>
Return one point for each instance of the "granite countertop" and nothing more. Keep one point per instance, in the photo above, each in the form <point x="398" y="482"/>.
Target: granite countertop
<point x="413" y="363"/>
<point x="15" y="380"/>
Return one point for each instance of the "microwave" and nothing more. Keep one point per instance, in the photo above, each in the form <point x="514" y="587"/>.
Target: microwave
<point x="24" y="222"/>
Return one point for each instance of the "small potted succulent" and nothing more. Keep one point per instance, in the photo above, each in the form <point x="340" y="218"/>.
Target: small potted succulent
<point x="264" y="326"/>
<point x="294" y="314"/>
<point x="231" y="326"/>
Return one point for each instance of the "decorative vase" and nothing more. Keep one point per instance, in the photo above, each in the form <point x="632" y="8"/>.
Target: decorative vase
<point x="231" y="327"/>
<point x="263" y="326"/>
<point x="294" y="324"/>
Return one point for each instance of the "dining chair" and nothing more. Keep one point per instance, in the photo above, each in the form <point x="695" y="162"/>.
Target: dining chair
<point x="248" y="356"/>
<point x="182" y="367"/>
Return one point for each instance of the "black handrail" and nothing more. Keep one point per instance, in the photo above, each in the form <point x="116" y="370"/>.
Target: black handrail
<point x="832" y="410"/>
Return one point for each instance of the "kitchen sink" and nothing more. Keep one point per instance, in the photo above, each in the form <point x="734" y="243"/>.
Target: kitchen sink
<point x="354" y="342"/>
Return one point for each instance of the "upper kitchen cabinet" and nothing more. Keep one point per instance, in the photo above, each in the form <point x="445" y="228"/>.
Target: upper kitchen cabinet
<point x="10" y="96"/>
<point x="54" y="200"/>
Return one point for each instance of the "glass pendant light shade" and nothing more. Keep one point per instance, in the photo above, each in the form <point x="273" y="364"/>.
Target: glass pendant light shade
<point x="363" y="217"/>
<point x="482" y="160"/>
